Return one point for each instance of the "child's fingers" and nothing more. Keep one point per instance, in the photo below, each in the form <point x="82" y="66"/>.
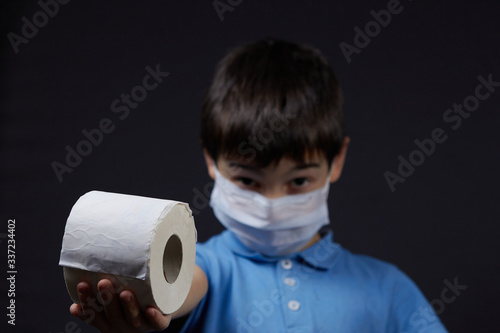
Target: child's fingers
<point x="76" y="310"/>
<point x="115" y="313"/>
<point x="157" y="320"/>
<point x="131" y="309"/>
<point x="110" y="302"/>
<point x="92" y="312"/>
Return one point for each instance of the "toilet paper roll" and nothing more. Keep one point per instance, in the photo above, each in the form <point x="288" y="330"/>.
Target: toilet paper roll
<point x="141" y="244"/>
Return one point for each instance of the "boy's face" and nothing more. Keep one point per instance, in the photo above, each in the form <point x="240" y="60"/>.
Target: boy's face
<point x="284" y="178"/>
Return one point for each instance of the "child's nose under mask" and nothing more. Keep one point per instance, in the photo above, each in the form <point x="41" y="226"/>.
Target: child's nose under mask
<point x="273" y="227"/>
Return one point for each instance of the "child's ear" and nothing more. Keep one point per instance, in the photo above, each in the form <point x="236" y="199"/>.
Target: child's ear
<point x="210" y="163"/>
<point x="338" y="161"/>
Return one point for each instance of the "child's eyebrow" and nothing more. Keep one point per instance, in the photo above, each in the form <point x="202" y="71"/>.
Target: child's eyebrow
<point x="255" y="168"/>
<point x="305" y="166"/>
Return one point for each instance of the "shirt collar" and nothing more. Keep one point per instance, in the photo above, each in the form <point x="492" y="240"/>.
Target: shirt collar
<point x="321" y="255"/>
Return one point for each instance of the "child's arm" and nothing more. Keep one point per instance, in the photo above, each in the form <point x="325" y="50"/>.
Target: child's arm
<point x="198" y="290"/>
<point x="121" y="313"/>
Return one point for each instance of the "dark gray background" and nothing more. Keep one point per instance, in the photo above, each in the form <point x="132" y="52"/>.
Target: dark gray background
<point x="439" y="224"/>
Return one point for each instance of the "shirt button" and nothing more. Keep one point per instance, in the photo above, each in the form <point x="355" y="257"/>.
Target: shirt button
<point x="290" y="282"/>
<point x="286" y="263"/>
<point x="293" y="305"/>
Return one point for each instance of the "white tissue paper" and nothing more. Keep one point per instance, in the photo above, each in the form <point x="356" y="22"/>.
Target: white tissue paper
<point x="141" y="244"/>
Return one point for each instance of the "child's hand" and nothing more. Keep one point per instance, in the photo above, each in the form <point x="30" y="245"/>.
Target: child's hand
<point x="121" y="313"/>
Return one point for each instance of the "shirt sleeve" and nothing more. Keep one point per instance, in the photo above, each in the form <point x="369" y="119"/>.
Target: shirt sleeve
<point x="410" y="310"/>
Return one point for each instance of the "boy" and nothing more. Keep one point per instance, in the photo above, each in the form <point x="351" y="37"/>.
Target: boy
<point x="273" y="141"/>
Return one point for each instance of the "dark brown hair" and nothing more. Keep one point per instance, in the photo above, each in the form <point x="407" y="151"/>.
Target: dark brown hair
<point x="271" y="99"/>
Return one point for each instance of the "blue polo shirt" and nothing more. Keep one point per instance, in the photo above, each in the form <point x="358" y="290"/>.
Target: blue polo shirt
<point x="324" y="288"/>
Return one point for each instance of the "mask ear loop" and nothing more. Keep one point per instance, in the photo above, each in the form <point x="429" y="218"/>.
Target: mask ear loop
<point x="330" y="170"/>
<point x="326" y="187"/>
<point x="216" y="170"/>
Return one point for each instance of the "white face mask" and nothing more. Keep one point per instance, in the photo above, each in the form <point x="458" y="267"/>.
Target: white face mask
<point x="272" y="227"/>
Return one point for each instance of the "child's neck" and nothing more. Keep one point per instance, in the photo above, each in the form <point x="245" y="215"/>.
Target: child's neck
<point x="314" y="239"/>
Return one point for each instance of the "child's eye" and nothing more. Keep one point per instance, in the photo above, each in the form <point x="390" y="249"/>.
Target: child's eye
<point x="247" y="181"/>
<point x="302" y="181"/>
